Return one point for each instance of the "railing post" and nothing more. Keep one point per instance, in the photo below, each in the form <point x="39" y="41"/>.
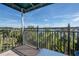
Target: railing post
<point x="73" y="41"/>
<point x="37" y="39"/>
<point x="68" y="39"/>
<point x="77" y="40"/>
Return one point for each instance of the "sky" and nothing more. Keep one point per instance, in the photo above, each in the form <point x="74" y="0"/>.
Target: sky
<point x="54" y="15"/>
<point x="9" y="17"/>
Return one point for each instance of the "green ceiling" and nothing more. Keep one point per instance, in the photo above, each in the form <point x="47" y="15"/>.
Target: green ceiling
<point x="27" y="7"/>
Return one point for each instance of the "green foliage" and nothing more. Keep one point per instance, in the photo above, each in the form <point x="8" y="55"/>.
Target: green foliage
<point x="9" y="39"/>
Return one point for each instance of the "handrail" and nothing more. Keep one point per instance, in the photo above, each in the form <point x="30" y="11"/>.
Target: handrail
<point x="62" y="40"/>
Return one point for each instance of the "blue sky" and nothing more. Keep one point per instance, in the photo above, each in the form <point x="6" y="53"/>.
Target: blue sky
<point x="9" y="17"/>
<point x="54" y="15"/>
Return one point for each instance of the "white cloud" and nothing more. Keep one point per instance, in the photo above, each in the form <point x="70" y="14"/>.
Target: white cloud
<point x="46" y="20"/>
<point x="40" y="25"/>
<point x="46" y="25"/>
<point x="71" y="18"/>
<point x="76" y="19"/>
<point x="62" y="16"/>
<point x="67" y="15"/>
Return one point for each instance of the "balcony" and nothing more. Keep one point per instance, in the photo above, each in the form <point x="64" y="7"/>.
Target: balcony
<point x="18" y="37"/>
<point x="60" y="39"/>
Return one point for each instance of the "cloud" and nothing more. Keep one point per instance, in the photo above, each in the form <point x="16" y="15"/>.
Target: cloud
<point x="67" y="15"/>
<point x="68" y="18"/>
<point x="46" y="20"/>
<point x="62" y="16"/>
<point x="40" y="25"/>
<point x="76" y="19"/>
<point x="8" y="22"/>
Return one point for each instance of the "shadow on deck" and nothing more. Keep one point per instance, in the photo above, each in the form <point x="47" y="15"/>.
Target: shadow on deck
<point x="24" y="50"/>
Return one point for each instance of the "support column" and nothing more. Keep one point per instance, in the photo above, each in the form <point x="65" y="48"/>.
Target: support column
<point x="22" y="25"/>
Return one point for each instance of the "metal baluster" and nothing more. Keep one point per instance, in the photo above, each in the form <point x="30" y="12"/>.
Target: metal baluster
<point x="37" y="39"/>
<point x="68" y="39"/>
<point x="60" y="41"/>
<point x="78" y="39"/>
<point x="3" y="42"/>
<point x="52" y="39"/>
<point x="8" y="40"/>
<point x="73" y="42"/>
<point x="43" y="40"/>
<point x="14" y="37"/>
<point x="57" y="40"/>
<point x="64" y="41"/>
<point x="47" y="40"/>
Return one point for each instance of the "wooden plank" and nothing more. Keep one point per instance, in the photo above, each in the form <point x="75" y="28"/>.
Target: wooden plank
<point x="26" y="50"/>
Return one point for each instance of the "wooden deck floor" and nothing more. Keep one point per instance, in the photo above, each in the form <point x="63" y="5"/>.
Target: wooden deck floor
<point x="24" y="50"/>
<point x="9" y="53"/>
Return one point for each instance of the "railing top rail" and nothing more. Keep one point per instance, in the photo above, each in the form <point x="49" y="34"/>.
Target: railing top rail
<point x="54" y="28"/>
<point x="9" y="29"/>
<point x="52" y="31"/>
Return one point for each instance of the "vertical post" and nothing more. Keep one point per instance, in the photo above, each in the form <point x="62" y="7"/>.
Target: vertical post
<point x="57" y="40"/>
<point x="60" y="41"/>
<point x="37" y="39"/>
<point x="45" y="39"/>
<point x="22" y="25"/>
<point x="73" y="41"/>
<point x="64" y="38"/>
<point x="77" y="39"/>
<point x="68" y="39"/>
<point x="52" y="40"/>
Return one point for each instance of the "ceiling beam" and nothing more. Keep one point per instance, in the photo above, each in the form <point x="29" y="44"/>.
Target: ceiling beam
<point x="17" y="7"/>
<point x="37" y="6"/>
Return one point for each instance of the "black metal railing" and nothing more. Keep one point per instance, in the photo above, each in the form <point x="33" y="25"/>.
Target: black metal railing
<point x="61" y="39"/>
<point x="9" y="38"/>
